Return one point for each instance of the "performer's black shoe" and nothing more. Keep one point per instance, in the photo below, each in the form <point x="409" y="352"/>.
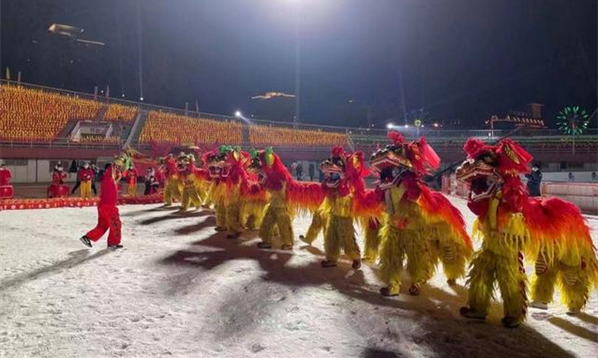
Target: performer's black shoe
<point x="356" y="264"/>
<point x="511" y="322"/>
<point x="263" y="245"/>
<point x="471" y="313"/>
<point x="117" y="246"/>
<point x="85" y="240"/>
<point x="451" y="282"/>
<point x="414" y="289"/>
<point x="386" y="291"/>
<point x="328" y="263"/>
<point x="219" y="228"/>
<point x="234" y="235"/>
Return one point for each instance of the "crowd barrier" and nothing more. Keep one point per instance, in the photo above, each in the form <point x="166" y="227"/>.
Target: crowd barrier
<point x="24" y="204"/>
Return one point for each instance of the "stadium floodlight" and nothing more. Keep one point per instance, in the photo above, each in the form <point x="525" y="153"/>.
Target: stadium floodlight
<point x="406" y="125"/>
<point x="389" y="125"/>
<point x="238" y="114"/>
<point x="141" y="98"/>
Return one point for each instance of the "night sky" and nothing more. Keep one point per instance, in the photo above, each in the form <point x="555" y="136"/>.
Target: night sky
<point x="455" y="59"/>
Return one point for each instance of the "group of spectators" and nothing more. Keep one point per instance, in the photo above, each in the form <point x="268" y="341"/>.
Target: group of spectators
<point x="34" y="115"/>
<point x="178" y="129"/>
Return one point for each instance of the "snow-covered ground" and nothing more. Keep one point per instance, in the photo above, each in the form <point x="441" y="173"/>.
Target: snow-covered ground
<point x="180" y="289"/>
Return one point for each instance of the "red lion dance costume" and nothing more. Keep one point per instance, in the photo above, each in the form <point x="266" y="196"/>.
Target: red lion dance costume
<point x="191" y="180"/>
<point x="282" y="190"/>
<point x="172" y="187"/>
<point x="231" y="190"/>
<point x="551" y="231"/>
<point x="343" y="188"/>
<point x="419" y="224"/>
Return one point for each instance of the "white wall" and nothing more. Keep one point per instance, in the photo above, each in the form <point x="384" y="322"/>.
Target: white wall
<point x="580" y="177"/>
<point x="36" y="171"/>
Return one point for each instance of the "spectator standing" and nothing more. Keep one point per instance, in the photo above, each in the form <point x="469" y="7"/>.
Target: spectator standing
<point x="75" y="168"/>
<point x="96" y="175"/>
<point x="299" y="170"/>
<point x="534" y="181"/>
<point x="571" y="176"/>
<point x="151" y="182"/>
<point x="594" y="176"/>
<point x="85" y="178"/>
<point x="312" y="171"/>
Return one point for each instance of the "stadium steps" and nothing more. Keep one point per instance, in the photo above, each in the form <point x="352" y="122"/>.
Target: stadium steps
<point x="245" y="136"/>
<point x="68" y="128"/>
<point x="133" y="136"/>
<point x="100" y="115"/>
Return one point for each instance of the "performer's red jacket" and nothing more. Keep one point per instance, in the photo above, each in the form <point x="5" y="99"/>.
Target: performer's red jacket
<point x="85" y="174"/>
<point x="131" y="176"/>
<point x="109" y="193"/>
<point x="5" y="176"/>
<point x="58" y="177"/>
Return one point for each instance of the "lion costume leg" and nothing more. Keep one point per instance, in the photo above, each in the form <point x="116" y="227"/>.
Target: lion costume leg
<point x="392" y="254"/>
<point x="317" y="225"/>
<point x="220" y="216"/>
<point x="186" y="199"/>
<point x="195" y="198"/>
<point x="510" y="274"/>
<point x="574" y="283"/>
<point x="332" y="242"/>
<point x="453" y="261"/>
<point x="267" y="227"/>
<point x="372" y="240"/>
<point x="481" y="284"/>
<point x="421" y="260"/>
<point x="543" y="282"/>
<point x="172" y="191"/>
<point x="232" y="216"/>
<point x="285" y="227"/>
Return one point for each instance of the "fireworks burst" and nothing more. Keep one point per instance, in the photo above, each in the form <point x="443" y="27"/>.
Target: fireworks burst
<point x="573" y="120"/>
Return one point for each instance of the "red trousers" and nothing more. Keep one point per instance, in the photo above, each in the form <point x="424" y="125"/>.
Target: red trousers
<point x="108" y="218"/>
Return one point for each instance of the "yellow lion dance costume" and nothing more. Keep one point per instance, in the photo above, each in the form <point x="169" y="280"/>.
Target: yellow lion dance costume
<point x="551" y="231"/>
<point x="419" y="224"/>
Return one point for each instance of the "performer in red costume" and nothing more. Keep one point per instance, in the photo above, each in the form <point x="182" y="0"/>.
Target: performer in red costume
<point x="6" y="190"/>
<point x="108" y="216"/>
<point x="58" y="188"/>
<point x="131" y="176"/>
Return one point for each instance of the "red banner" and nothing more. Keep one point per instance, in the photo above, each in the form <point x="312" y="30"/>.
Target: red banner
<point x="22" y="204"/>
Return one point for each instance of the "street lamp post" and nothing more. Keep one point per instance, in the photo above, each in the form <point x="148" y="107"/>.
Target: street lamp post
<point x="297" y="117"/>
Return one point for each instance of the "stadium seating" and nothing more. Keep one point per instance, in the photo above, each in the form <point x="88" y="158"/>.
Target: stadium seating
<point x="118" y="112"/>
<point x="261" y="136"/>
<point x="172" y="128"/>
<point x="34" y="115"/>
